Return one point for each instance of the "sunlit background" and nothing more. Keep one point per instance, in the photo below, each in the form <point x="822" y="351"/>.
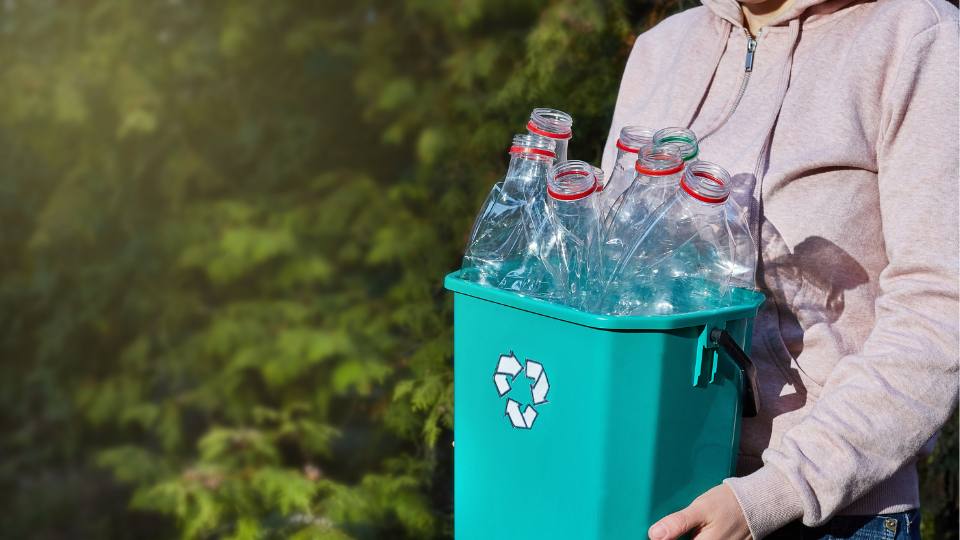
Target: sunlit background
<point x="224" y="226"/>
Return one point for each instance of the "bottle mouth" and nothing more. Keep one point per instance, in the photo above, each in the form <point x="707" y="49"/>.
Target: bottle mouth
<point x="551" y="123"/>
<point x="533" y="146"/>
<point x="706" y="182"/>
<point x="685" y="139"/>
<point x="600" y="178"/>
<point x="632" y="138"/>
<point x="571" y="181"/>
<point x="653" y="160"/>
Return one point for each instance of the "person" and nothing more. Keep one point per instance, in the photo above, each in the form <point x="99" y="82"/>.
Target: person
<point x="838" y="120"/>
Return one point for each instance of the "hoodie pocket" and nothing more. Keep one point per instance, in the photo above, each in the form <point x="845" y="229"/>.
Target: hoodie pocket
<point x="787" y="351"/>
<point x="807" y="287"/>
<point x="783" y="393"/>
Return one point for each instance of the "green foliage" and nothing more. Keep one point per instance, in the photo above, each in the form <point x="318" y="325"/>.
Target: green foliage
<point x="939" y="481"/>
<point x="225" y="226"/>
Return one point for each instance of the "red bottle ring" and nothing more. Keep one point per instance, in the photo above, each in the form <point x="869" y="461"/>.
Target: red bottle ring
<point x="571" y="196"/>
<point x="700" y="197"/>
<point x="529" y="150"/>
<point x="658" y="172"/>
<point x="533" y="127"/>
<point x="575" y="196"/>
<point x="626" y="148"/>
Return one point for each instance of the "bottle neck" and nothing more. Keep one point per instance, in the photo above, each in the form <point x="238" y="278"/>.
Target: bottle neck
<point x="527" y="173"/>
<point x="570" y="187"/>
<point x="521" y="165"/>
<point x="554" y="125"/>
<point x="633" y="138"/>
<point x="551" y="123"/>
<point x="659" y="162"/>
<point x="684" y="139"/>
<point x="530" y="158"/>
<point x="572" y="181"/>
<point x="706" y="183"/>
<point x="601" y="178"/>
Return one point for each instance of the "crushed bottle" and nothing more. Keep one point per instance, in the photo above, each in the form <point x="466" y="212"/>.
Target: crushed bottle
<point x="570" y="249"/>
<point x="657" y="173"/>
<point x="502" y="250"/>
<point x="690" y="253"/>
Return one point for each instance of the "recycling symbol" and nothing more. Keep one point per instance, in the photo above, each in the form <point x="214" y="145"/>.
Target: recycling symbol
<point x="508" y="368"/>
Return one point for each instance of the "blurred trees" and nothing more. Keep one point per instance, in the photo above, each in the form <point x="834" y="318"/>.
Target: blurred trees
<point x="224" y="228"/>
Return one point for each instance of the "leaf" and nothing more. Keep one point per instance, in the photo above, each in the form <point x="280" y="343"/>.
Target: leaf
<point x="396" y="93"/>
<point x="284" y="490"/>
<point x="246" y="529"/>
<point x="359" y="376"/>
<point x="237" y="446"/>
<point x="299" y="349"/>
<point x="131" y="464"/>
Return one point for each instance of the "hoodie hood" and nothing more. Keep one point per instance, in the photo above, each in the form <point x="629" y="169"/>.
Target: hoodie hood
<point x="729" y="10"/>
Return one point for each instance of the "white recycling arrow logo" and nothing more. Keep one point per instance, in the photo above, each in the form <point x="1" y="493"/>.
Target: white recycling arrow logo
<point x="508" y="368"/>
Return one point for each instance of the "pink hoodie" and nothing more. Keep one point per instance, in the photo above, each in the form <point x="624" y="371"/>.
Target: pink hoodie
<point x="843" y="141"/>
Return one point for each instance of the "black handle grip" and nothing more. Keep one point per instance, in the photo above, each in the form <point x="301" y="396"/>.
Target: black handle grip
<point x="748" y="372"/>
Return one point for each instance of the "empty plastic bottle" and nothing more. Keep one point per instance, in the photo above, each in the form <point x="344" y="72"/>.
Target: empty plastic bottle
<point x="684" y="138"/>
<point x="502" y="246"/>
<point x="693" y="249"/>
<point x="656" y="177"/>
<point x="553" y="124"/>
<point x="631" y="139"/>
<point x="570" y="250"/>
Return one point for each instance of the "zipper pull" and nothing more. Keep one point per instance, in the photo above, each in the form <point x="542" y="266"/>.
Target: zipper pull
<point x="751" y="47"/>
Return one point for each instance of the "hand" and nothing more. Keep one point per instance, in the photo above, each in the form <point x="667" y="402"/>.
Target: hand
<point x="715" y="515"/>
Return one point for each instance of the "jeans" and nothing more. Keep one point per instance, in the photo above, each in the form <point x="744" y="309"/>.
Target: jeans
<point x="899" y="526"/>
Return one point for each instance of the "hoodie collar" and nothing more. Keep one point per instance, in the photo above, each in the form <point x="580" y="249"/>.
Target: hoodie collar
<point x="729" y="10"/>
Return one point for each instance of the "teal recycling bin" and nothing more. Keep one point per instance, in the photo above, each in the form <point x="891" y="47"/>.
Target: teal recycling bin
<point x="569" y="425"/>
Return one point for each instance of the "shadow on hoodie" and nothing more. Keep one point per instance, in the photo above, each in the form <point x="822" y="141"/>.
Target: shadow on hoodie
<point x="804" y="286"/>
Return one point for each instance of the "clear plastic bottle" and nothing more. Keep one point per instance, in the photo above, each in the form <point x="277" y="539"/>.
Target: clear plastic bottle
<point x="685" y="139"/>
<point x="502" y="244"/>
<point x="553" y="124"/>
<point x="631" y="139"/>
<point x="570" y="251"/>
<point x="657" y="173"/>
<point x="693" y="249"/>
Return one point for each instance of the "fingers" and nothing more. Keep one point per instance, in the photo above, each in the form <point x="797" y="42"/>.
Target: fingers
<point x="676" y="524"/>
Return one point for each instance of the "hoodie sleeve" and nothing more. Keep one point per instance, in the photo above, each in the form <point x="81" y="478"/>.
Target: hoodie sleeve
<point x="880" y="406"/>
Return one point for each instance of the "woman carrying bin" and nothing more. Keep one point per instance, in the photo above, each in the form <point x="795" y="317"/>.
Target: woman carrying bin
<point x="838" y="120"/>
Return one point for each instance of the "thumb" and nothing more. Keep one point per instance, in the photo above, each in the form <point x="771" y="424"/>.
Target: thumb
<point x="674" y="525"/>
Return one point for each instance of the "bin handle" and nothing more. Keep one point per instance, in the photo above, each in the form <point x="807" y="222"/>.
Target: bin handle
<point x="748" y="371"/>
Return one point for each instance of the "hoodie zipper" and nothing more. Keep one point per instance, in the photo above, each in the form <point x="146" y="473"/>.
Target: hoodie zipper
<point x="747" y="70"/>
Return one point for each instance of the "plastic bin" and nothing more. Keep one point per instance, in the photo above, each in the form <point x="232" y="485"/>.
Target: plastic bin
<point x="569" y="425"/>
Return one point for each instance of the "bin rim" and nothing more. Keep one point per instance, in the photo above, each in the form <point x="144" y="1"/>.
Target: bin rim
<point x="747" y="309"/>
